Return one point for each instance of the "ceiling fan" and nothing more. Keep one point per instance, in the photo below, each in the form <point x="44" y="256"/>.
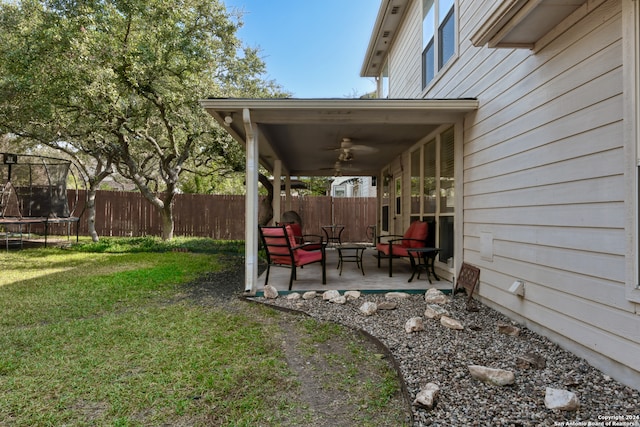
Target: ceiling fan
<point x="340" y="167"/>
<point x="347" y="148"/>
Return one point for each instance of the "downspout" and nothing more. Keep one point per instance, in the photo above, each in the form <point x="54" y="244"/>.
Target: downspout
<point x="251" y="207"/>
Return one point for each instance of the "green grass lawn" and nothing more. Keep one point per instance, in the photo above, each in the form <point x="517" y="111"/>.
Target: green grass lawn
<point x="99" y="335"/>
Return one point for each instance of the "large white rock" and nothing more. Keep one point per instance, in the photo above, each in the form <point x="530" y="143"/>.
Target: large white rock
<point x="294" y="296"/>
<point x="560" y="399"/>
<point x="492" y="375"/>
<point x="330" y="294"/>
<point x="426" y="398"/>
<point x="270" y="292"/>
<point x="396" y="295"/>
<point x="309" y="295"/>
<point x="415" y="324"/>
<point x="434" y="311"/>
<point x="369" y="308"/>
<point x="339" y="300"/>
<point x="352" y="295"/>
<point x="507" y="329"/>
<point x="435" y="296"/>
<point x="450" y="323"/>
<point x="387" y="305"/>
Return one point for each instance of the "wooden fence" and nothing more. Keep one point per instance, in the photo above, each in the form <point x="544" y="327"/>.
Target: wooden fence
<point x="121" y="213"/>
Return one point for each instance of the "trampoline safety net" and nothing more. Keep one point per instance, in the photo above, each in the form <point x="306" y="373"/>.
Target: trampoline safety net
<point x="34" y="186"/>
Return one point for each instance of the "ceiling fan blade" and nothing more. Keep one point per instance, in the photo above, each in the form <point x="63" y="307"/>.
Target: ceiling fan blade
<point x="363" y="148"/>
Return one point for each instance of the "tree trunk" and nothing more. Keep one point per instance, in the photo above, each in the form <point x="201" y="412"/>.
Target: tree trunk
<point x="166" y="212"/>
<point x="91" y="212"/>
<point x="265" y="210"/>
<point x="167" y="219"/>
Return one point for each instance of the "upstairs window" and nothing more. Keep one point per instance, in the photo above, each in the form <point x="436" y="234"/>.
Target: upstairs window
<point x="438" y="36"/>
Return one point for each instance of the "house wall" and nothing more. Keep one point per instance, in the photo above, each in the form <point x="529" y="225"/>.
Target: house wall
<point x="544" y="177"/>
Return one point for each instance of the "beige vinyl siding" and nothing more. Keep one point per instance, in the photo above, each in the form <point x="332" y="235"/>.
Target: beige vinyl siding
<point x="404" y="63"/>
<point x="543" y="172"/>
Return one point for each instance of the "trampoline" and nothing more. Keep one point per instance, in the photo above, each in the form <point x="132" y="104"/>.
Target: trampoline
<point x="34" y="192"/>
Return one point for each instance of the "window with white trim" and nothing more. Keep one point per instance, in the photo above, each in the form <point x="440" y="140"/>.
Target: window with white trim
<point x="438" y="36"/>
<point x="433" y="191"/>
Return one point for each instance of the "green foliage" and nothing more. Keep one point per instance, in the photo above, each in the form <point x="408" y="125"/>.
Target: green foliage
<point x="117" y="83"/>
<point x="154" y="244"/>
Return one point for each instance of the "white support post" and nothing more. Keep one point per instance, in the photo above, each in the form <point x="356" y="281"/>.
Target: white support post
<point x="277" y="184"/>
<point x="251" y="206"/>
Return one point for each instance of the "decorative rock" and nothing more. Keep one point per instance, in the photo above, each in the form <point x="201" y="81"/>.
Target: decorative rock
<point x="414" y="324"/>
<point x="426" y="398"/>
<point x="352" y="295"/>
<point x="503" y="328"/>
<point x="387" y="305"/>
<point x="270" y="292"/>
<point x="309" y="295"/>
<point x="294" y="296"/>
<point x="450" y="323"/>
<point x="531" y="360"/>
<point x="492" y="375"/>
<point x="435" y="296"/>
<point x="434" y="311"/>
<point x="560" y="399"/>
<point x="339" y="300"/>
<point x="396" y="295"/>
<point x="330" y="294"/>
<point x="368" y="308"/>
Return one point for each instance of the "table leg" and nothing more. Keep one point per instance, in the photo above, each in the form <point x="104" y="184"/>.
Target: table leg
<point x="414" y="267"/>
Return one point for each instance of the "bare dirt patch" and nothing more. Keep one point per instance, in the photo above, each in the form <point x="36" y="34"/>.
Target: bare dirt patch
<point x="343" y="378"/>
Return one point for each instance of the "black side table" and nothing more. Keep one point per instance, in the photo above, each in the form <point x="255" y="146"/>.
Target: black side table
<point x="350" y="252"/>
<point x="423" y="259"/>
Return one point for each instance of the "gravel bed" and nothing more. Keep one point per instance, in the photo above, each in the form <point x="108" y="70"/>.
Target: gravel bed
<point x="442" y="356"/>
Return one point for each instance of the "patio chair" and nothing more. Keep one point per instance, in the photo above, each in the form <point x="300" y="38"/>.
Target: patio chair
<point x="396" y="246"/>
<point x="282" y="250"/>
<point x="308" y="242"/>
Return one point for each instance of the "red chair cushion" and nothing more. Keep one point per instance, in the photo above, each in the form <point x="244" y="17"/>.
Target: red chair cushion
<point x="407" y="234"/>
<point x="297" y="232"/>
<point x="414" y="237"/>
<point x="419" y="230"/>
<point x="396" y="250"/>
<point x="307" y="257"/>
<point x="276" y="236"/>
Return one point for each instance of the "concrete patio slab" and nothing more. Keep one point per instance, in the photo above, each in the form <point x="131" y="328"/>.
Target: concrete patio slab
<point x="375" y="279"/>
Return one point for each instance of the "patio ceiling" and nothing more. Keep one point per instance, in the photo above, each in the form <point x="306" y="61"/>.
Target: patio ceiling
<point x="306" y="134"/>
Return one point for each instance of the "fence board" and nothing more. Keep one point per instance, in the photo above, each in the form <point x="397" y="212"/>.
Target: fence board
<point x="120" y="213"/>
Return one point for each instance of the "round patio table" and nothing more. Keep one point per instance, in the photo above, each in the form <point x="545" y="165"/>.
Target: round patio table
<point x="333" y="233"/>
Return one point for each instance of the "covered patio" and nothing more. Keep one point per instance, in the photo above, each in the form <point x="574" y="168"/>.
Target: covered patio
<point x="330" y="137"/>
<point x="374" y="279"/>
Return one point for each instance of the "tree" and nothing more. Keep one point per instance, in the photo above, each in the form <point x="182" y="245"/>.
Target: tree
<point x="37" y="86"/>
<point x="124" y="77"/>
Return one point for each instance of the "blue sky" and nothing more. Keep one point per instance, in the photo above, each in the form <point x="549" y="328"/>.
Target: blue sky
<point x="312" y="48"/>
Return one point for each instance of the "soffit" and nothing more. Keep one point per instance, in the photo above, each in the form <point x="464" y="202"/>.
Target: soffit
<point x="390" y="16"/>
<point x="522" y="23"/>
<point x="306" y="134"/>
